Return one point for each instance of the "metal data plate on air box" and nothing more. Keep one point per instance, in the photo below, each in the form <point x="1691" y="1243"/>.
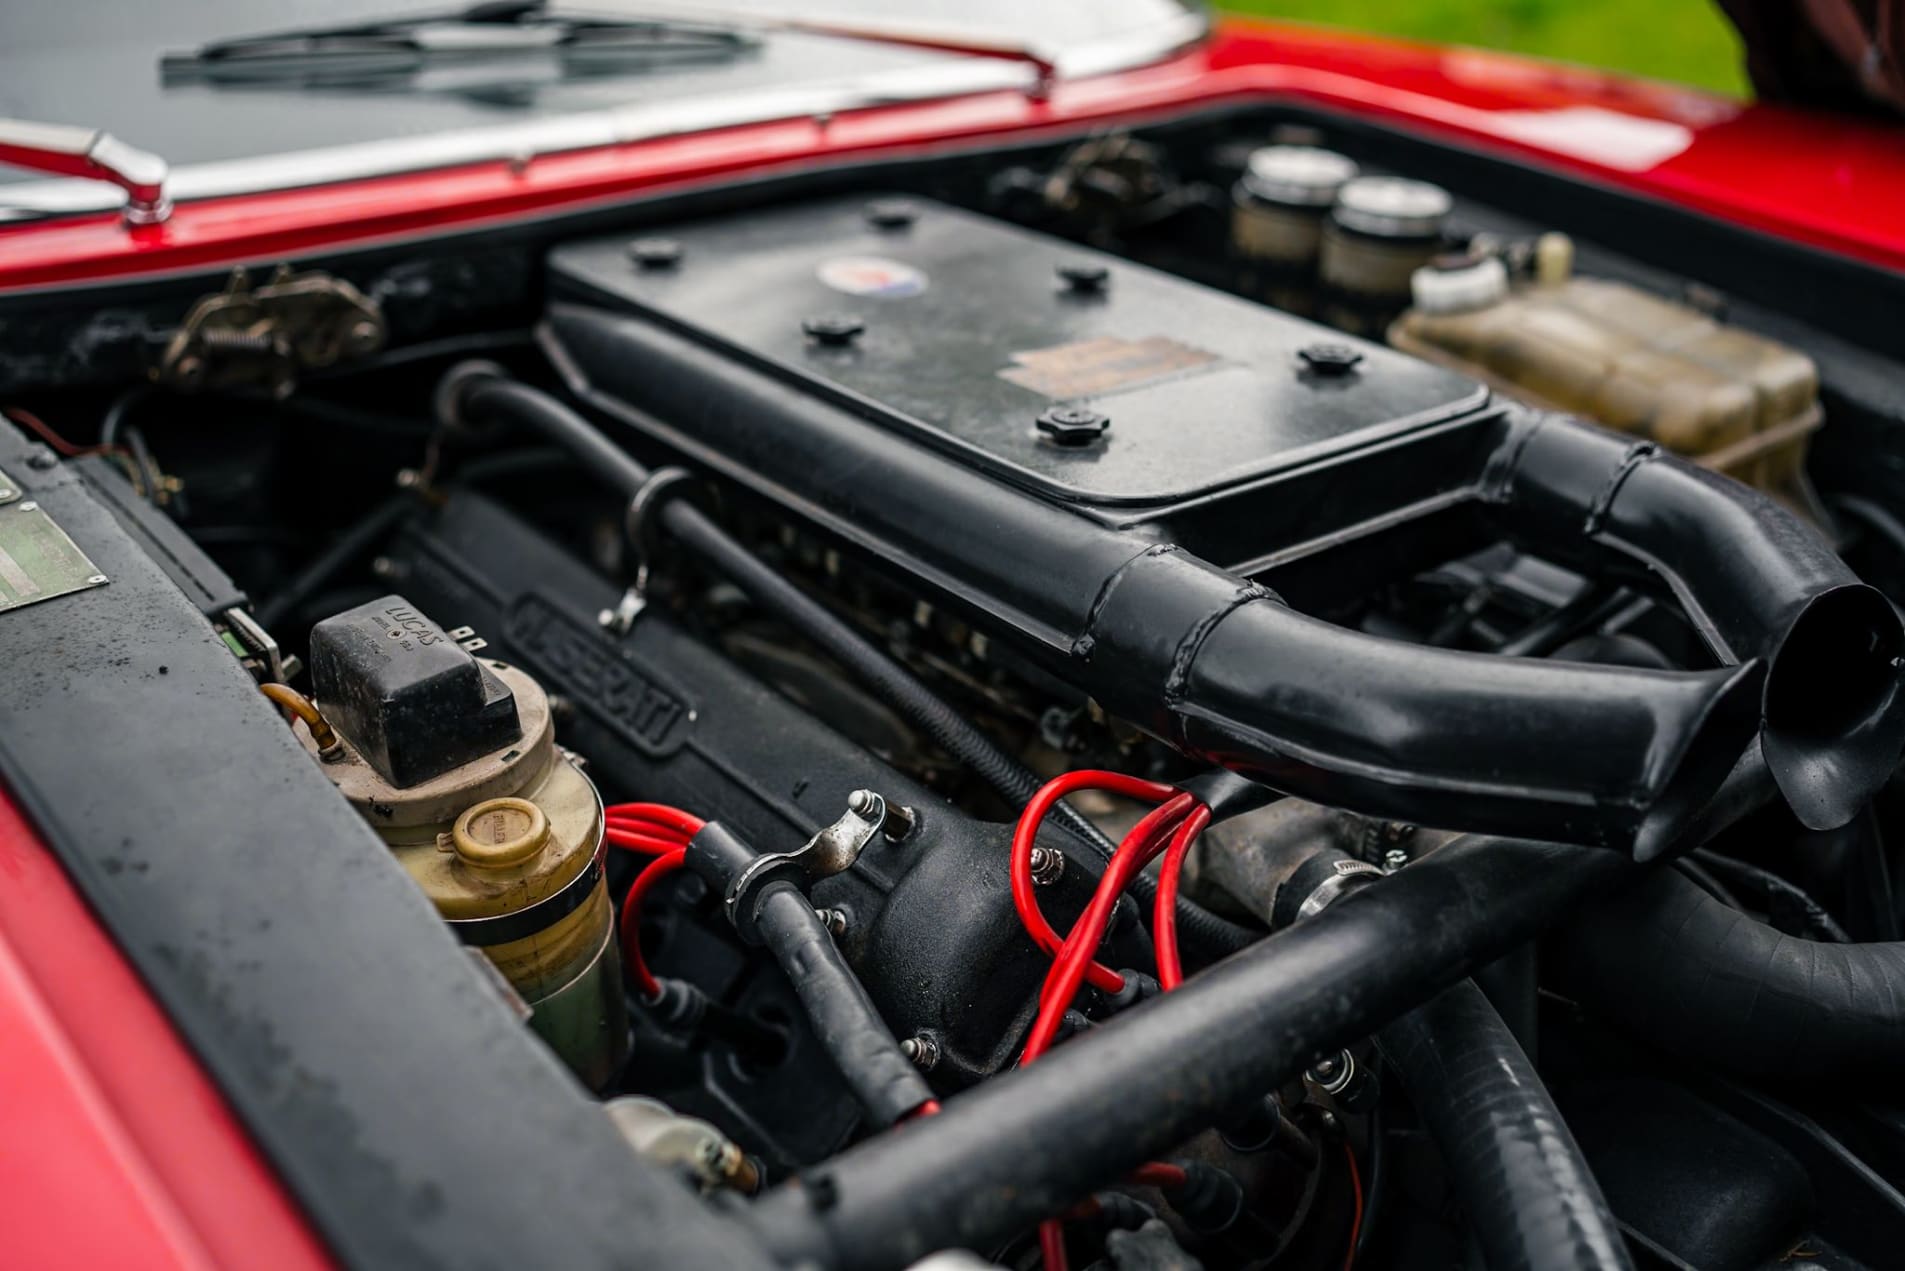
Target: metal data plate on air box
<point x="961" y="331"/>
<point x="37" y="559"/>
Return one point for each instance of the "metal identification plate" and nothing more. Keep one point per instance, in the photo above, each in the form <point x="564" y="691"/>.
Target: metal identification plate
<point x="37" y="560"/>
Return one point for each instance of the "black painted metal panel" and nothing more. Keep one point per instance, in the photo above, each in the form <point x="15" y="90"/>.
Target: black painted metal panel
<point x="970" y="333"/>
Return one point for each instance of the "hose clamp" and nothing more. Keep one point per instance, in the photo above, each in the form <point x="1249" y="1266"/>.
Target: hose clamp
<point x="644" y="539"/>
<point x="1344" y="876"/>
<point x="639" y="521"/>
<point x="483" y="933"/>
<point x="832" y="851"/>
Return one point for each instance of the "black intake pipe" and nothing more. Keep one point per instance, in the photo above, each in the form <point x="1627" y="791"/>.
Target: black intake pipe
<point x="1756" y="582"/>
<point x="1027" y="1144"/>
<point x="1443" y="738"/>
<point x="1224" y="670"/>
<point x="1525" y="1187"/>
<point x="1685" y="971"/>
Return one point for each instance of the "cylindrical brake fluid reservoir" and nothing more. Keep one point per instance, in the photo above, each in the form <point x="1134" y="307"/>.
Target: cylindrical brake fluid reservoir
<point x="1380" y="232"/>
<point x="508" y="843"/>
<point x="1277" y="212"/>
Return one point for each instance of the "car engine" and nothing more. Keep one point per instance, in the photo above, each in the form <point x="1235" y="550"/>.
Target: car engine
<point x="1228" y="695"/>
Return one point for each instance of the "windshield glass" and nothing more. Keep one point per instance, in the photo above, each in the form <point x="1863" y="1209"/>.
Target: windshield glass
<point x="103" y="64"/>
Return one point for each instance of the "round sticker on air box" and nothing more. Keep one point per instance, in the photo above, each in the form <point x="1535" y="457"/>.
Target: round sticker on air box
<point x="872" y="276"/>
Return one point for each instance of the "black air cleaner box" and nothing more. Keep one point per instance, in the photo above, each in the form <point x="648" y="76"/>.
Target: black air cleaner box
<point x="962" y="331"/>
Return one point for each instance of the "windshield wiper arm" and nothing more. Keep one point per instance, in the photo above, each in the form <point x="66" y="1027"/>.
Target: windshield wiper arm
<point x="500" y="29"/>
<point x="64" y="150"/>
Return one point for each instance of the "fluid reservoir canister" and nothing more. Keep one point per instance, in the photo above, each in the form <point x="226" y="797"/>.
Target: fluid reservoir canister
<point x="1277" y="212"/>
<point x="1380" y="232"/>
<point x="1730" y="399"/>
<point x="453" y="760"/>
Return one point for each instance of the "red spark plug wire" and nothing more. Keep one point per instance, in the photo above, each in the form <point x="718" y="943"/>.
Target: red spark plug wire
<point x="656" y="870"/>
<point x="646" y="841"/>
<point x="1062" y="982"/>
<point x="1158" y="1174"/>
<point x="1025" y="836"/>
<point x="660" y="815"/>
<point x="659" y="831"/>
<point x="1164" y="913"/>
<point x="1068" y="971"/>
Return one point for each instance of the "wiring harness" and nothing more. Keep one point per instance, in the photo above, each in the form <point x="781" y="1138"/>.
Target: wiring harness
<point x="661" y="832"/>
<point x="1171" y="828"/>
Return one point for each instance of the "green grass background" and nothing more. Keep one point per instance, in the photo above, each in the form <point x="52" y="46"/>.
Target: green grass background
<point x="1688" y="41"/>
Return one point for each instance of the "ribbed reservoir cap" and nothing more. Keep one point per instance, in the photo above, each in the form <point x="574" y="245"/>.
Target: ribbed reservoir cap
<point x="1460" y="285"/>
<point x="1299" y="176"/>
<point x="1392" y="207"/>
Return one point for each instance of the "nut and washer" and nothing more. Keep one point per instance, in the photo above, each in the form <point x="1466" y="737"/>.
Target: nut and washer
<point x="1329" y="359"/>
<point x="1084" y="277"/>
<point x="892" y="213"/>
<point x="655" y="253"/>
<point x="835" y="330"/>
<point x="923" y="1049"/>
<point x="1073" y="425"/>
<point x="1048" y="866"/>
<point x="898" y="821"/>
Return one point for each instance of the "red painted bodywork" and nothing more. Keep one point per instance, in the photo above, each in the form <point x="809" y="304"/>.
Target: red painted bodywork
<point x="117" y="1150"/>
<point x="1829" y="182"/>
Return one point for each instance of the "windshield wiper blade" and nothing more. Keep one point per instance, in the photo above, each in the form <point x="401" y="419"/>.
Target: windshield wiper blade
<point x="502" y="29"/>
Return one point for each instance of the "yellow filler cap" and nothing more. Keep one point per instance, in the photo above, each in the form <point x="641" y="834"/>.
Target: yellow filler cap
<point x="499" y="833"/>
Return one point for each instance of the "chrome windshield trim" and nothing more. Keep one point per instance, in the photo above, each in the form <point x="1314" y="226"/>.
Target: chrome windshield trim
<point x="587" y="130"/>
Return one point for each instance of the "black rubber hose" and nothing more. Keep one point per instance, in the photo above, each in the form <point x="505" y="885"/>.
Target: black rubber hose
<point x="1527" y="1191"/>
<point x="344" y="551"/>
<point x="1680" y="969"/>
<point x="1583" y="615"/>
<point x="122" y="406"/>
<point x="1377" y="1191"/>
<point x="844" y="1019"/>
<point x="481" y="390"/>
<point x="1706" y="882"/>
<point x="1149" y="1078"/>
<point x="1746" y="874"/>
